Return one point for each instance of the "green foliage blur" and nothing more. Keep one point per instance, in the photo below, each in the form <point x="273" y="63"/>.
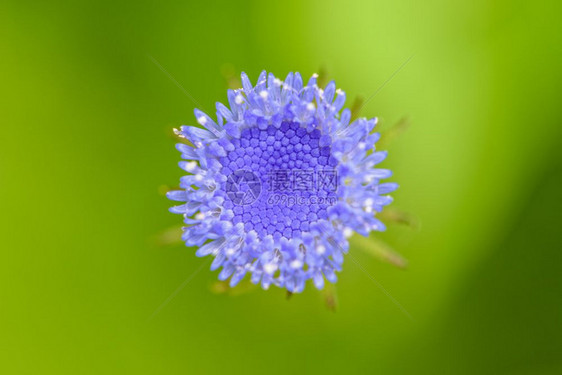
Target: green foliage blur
<point x="86" y="150"/>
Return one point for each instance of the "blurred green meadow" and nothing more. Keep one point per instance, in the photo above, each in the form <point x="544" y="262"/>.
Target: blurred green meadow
<point x="87" y="285"/>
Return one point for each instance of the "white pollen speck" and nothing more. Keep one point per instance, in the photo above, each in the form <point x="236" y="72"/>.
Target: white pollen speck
<point x="270" y="268"/>
<point x="178" y="133"/>
<point x="230" y="251"/>
<point x="296" y="264"/>
<point x="277" y="82"/>
<point x="369" y="202"/>
<point x="202" y="120"/>
<point x="315" y="75"/>
<point x="200" y="216"/>
<point x="339" y="91"/>
<point x="320" y="249"/>
<point x="310" y="106"/>
<point x="362" y="145"/>
<point x="347" y="232"/>
<point x="239" y="99"/>
<point x="190" y="166"/>
<point x="264" y="94"/>
<point x="198" y="177"/>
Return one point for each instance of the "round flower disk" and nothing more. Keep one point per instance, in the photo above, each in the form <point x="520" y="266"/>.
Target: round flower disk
<point x="282" y="150"/>
<point x="279" y="182"/>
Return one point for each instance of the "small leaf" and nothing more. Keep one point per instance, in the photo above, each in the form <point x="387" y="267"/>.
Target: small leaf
<point x="356" y="108"/>
<point x="330" y="296"/>
<point x="384" y="252"/>
<point x="400" y="217"/>
<point x="393" y="132"/>
<point x="169" y="237"/>
<point x="223" y="287"/>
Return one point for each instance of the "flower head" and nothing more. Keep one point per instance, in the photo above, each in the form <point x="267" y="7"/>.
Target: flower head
<point x="279" y="182"/>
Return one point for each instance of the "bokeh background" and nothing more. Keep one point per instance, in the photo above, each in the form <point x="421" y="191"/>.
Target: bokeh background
<point x="86" y="150"/>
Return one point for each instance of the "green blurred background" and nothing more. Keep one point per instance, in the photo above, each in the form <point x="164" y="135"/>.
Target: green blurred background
<point x="85" y="148"/>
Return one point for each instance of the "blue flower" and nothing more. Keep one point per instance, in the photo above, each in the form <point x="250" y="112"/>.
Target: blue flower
<point x="281" y="180"/>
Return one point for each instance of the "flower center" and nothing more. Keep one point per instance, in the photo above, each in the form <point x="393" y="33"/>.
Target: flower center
<point x="280" y="181"/>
